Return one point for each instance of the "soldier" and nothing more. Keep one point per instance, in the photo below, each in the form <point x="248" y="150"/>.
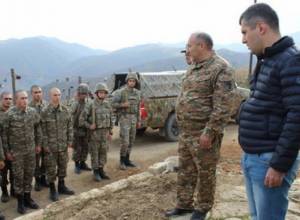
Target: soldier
<point x="38" y="104"/>
<point x="80" y="142"/>
<point x="202" y="112"/>
<point x="97" y="117"/>
<point x="2" y="165"/>
<point x="57" y="137"/>
<point x="22" y="138"/>
<point x="127" y="103"/>
<point x="6" y="102"/>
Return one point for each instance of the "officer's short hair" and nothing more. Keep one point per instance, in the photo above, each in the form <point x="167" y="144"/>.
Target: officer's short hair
<point x="18" y="92"/>
<point x="206" y="38"/>
<point x="34" y="87"/>
<point x="260" y="12"/>
<point x="4" y="94"/>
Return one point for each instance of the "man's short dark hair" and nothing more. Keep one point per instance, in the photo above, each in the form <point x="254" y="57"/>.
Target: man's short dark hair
<point x="206" y="38"/>
<point x="18" y="92"/>
<point x="260" y="12"/>
<point x="4" y="94"/>
<point x="34" y="87"/>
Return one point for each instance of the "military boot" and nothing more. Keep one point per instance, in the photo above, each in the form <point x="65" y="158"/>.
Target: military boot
<point x="44" y="181"/>
<point x="128" y="162"/>
<point x="122" y="163"/>
<point x="21" y="208"/>
<point x="29" y="202"/>
<point x="197" y="215"/>
<point x="4" y="196"/>
<point x="77" y="169"/>
<point x="37" y="185"/>
<point x="97" y="176"/>
<point x="177" y="212"/>
<point x="84" y="166"/>
<point x="2" y="217"/>
<point x="12" y="191"/>
<point x="62" y="189"/>
<point x="103" y="174"/>
<point x="53" y="195"/>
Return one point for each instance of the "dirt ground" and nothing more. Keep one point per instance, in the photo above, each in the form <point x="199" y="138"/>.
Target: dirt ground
<point x="149" y="148"/>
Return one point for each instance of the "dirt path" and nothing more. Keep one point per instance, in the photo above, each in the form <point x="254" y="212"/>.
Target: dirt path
<point x="149" y="149"/>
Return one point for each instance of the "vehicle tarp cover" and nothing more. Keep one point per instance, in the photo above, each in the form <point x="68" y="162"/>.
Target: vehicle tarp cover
<point x="153" y="84"/>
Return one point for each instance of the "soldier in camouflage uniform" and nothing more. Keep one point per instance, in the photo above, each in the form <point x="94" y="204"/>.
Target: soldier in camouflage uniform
<point x="57" y="137"/>
<point x="38" y="104"/>
<point x="202" y="112"/>
<point x="22" y="138"/>
<point x="2" y="165"/>
<point x="6" y="102"/>
<point x="80" y="142"/>
<point x="97" y="117"/>
<point x="127" y="103"/>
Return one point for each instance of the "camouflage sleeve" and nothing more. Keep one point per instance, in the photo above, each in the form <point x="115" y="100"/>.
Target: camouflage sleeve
<point x="38" y="131"/>
<point x="111" y="118"/>
<point x="45" y="144"/>
<point x="84" y="116"/>
<point x="2" y="157"/>
<point x="220" y="115"/>
<point x="117" y="100"/>
<point x="5" y="134"/>
<point x="138" y="116"/>
<point x="70" y="129"/>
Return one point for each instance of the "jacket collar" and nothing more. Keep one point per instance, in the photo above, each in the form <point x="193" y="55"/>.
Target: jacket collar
<point x="278" y="47"/>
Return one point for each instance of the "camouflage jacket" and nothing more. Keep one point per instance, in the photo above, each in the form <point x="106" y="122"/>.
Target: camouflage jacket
<point x="204" y="101"/>
<point x="98" y="112"/>
<point x="76" y="110"/>
<point x="22" y="130"/>
<point x="38" y="106"/>
<point x="133" y="96"/>
<point x="57" y="128"/>
<point x="2" y="157"/>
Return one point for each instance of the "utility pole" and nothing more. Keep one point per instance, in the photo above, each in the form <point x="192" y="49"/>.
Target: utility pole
<point x="79" y="80"/>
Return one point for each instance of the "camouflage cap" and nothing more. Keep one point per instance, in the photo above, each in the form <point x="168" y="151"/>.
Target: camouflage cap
<point x="101" y="87"/>
<point x="132" y="76"/>
<point x="83" y="88"/>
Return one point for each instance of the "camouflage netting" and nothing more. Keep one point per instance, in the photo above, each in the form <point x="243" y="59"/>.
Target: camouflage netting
<point x="162" y="84"/>
<point x="154" y="84"/>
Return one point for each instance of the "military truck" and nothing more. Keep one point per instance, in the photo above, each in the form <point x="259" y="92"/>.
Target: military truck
<point x="159" y="91"/>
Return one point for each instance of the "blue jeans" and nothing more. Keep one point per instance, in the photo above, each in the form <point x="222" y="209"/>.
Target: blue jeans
<point x="266" y="203"/>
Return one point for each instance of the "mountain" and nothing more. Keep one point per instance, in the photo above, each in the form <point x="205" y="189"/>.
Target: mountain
<point x="38" y="59"/>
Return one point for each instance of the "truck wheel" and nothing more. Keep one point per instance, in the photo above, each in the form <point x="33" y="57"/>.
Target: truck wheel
<point x="140" y="131"/>
<point x="171" y="128"/>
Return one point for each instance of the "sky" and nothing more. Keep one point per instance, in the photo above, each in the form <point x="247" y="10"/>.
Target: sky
<point x="115" y="24"/>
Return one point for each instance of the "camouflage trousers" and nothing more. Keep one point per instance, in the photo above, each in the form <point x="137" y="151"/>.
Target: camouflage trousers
<point x="196" y="181"/>
<point x="80" y="148"/>
<point x="6" y="173"/>
<point x="40" y="168"/>
<point x="127" y="133"/>
<point x="23" y="167"/>
<point x="56" y="165"/>
<point x="98" y="147"/>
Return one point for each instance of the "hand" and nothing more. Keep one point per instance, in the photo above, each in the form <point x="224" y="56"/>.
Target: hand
<point x="46" y="150"/>
<point x="109" y="137"/>
<point x="2" y="164"/>
<point x="93" y="126"/>
<point x="139" y="125"/>
<point x="205" y="141"/>
<point x="38" y="149"/>
<point x="273" y="178"/>
<point x="9" y="157"/>
<point x="125" y="105"/>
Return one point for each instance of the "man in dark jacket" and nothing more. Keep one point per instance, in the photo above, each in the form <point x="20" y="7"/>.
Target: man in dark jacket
<point x="270" y="119"/>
